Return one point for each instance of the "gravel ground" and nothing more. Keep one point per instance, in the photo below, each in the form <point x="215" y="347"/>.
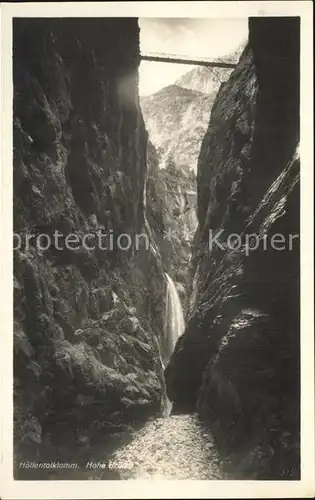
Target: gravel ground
<point x="176" y="447"/>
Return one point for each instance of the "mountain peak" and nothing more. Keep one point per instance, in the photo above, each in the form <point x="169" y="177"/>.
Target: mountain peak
<point x="208" y="80"/>
<point x="204" y="79"/>
<point x="176" y="89"/>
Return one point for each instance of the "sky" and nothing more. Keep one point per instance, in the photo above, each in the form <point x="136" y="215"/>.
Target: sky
<point x="209" y="38"/>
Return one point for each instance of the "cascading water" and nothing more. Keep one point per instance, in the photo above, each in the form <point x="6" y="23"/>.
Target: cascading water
<point x="175" y="322"/>
<point x="174" y="327"/>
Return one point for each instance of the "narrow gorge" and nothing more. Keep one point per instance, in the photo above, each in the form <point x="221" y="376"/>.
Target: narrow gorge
<point x="142" y="337"/>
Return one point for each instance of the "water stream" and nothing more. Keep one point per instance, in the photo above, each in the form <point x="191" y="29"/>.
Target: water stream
<point x="175" y="322"/>
<point x="174" y="327"/>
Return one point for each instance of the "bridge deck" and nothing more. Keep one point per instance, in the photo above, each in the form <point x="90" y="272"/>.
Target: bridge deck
<point x="178" y="60"/>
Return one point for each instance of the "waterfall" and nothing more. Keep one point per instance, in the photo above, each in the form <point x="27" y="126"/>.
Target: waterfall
<point x="174" y="327"/>
<point x="175" y="323"/>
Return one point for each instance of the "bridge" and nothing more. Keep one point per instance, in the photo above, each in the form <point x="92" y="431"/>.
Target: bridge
<point x="174" y="58"/>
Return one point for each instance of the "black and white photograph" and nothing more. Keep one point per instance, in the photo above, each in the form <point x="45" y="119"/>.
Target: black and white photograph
<point x="156" y="254"/>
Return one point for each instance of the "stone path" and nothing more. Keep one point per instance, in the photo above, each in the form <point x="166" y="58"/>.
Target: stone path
<point x="176" y="447"/>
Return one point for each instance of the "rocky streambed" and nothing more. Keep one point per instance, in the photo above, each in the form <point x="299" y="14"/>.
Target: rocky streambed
<point x="177" y="447"/>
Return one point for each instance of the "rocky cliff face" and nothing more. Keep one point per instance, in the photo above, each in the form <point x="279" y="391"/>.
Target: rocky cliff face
<point x="238" y="360"/>
<point x="171" y="211"/>
<point x="177" y="119"/>
<point x="204" y="79"/>
<point x="87" y="320"/>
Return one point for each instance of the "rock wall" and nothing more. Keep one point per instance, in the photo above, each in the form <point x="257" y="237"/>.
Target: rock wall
<point x="177" y="119"/>
<point x="237" y="363"/>
<point x="87" y="321"/>
<point x="171" y="212"/>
